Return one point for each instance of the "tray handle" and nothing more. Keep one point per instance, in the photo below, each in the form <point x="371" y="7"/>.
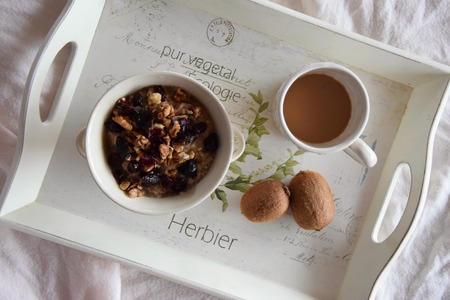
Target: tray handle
<point x="37" y="138"/>
<point x="412" y="147"/>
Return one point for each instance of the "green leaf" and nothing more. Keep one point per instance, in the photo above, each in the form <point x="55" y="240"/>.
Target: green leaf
<point x="279" y="174"/>
<point x="242" y="187"/>
<point x="263" y="107"/>
<point x="256" y="98"/>
<point x="253" y="138"/>
<point x="252" y="150"/>
<point x="235" y="169"/>
<point x="221" y="195"/>
<point x="260" y="95"/>
<point x="262" y="131"/>
<point x="299" y="152"/>
<point x="260" y="121"/>
<point x="289" y="171"/>
<point x="291" y="163"/>
<point x="224" y="206"/>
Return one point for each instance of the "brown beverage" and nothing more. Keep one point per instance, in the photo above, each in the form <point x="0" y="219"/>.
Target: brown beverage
<point x="317" y="108"/>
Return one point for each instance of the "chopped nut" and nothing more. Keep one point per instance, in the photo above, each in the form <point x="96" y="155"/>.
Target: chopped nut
<point x="166" y="110"/>
<point x="154" y="98"/>
<point x="167" y="139"/>
<point x="158" y="125"/>
<point x="166" y="122"/>
<point x="180" y="95"/>
<point x="122" y="122"/>
<point x="197" y="111"/>
<point x="135" y="192"/>
<point x="165" y="151"/>
<point x="124" y="185"/>
<point x="141" y="141"/>
<point x="182" y="157"/>
<point x="178" y="148"/>
<point x="149" y="168"/>
<point x="191" y="154"/>
<point x="174" y="129"/>
<point x="172" y="173"/>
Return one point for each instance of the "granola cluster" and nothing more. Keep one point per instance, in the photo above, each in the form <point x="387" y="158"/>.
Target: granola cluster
<point x="159" y="141"/>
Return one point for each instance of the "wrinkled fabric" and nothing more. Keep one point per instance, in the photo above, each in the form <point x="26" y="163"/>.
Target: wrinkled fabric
<point x="33" y="268"/>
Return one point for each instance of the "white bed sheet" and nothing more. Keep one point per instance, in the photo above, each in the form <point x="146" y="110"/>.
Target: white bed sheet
<point x="32" y="268"/>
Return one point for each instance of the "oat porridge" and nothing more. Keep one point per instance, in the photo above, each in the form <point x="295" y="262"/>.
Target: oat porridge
<point x="159" y="141"/>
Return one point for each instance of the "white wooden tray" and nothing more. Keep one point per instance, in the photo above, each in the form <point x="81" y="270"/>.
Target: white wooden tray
<point x="242" y="50"/>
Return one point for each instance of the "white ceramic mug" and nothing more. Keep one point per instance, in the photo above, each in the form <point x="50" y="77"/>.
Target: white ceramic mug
<point x="89" y="143"/>
<point x="349" y="140"/>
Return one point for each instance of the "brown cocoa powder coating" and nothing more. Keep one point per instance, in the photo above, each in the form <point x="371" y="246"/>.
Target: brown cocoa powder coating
<point x="265" y="201"/>
<point x="312" y="203"/>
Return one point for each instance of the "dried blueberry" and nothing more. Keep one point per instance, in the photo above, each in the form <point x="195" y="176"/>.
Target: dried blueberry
<point x="119" y="175"/>
<point x="187" y="137"/>
<point x="184" y="123"/>
<point x="212" y="143"/>
<point x="122" y="146"/>
<point x="138" y="99"/>
<point x="189" y="168"/>
<point x="150" y="178"/>
<point x="114" y="160"/>
<point x="113" y="126"/>
<point x="144" y="118"/>
<point x="125" y="108"/>
<point x="199" y="128"/>
<point x="158" y="89"/>
<point x="133" y="166"/>
<point x="179" y="185"/>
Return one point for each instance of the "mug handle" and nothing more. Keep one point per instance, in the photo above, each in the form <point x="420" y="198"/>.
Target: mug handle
<point x="238" y="143"/>
<point x="362" y="153"/>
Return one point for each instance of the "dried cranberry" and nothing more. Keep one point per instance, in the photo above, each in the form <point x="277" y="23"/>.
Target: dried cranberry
<point x="212" y="143"/>
<point x="147" y="162"/>
<point x="166" y="182"/>
<point x="155" y="133"/>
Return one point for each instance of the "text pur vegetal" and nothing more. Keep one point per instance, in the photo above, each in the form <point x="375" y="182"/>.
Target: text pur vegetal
<point x="196" y="65"/>
<point x="201" y="233"/>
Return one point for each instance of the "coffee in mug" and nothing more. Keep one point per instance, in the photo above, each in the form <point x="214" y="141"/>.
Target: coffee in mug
<point x="317" y="108"/>
<point x="324" y="108"/>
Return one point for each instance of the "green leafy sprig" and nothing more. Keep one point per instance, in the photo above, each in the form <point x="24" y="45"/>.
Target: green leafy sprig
<point x="256" y="130"/>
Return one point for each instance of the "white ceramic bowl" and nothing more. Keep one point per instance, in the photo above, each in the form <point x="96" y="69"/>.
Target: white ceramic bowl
<point x="157" y="206"/>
